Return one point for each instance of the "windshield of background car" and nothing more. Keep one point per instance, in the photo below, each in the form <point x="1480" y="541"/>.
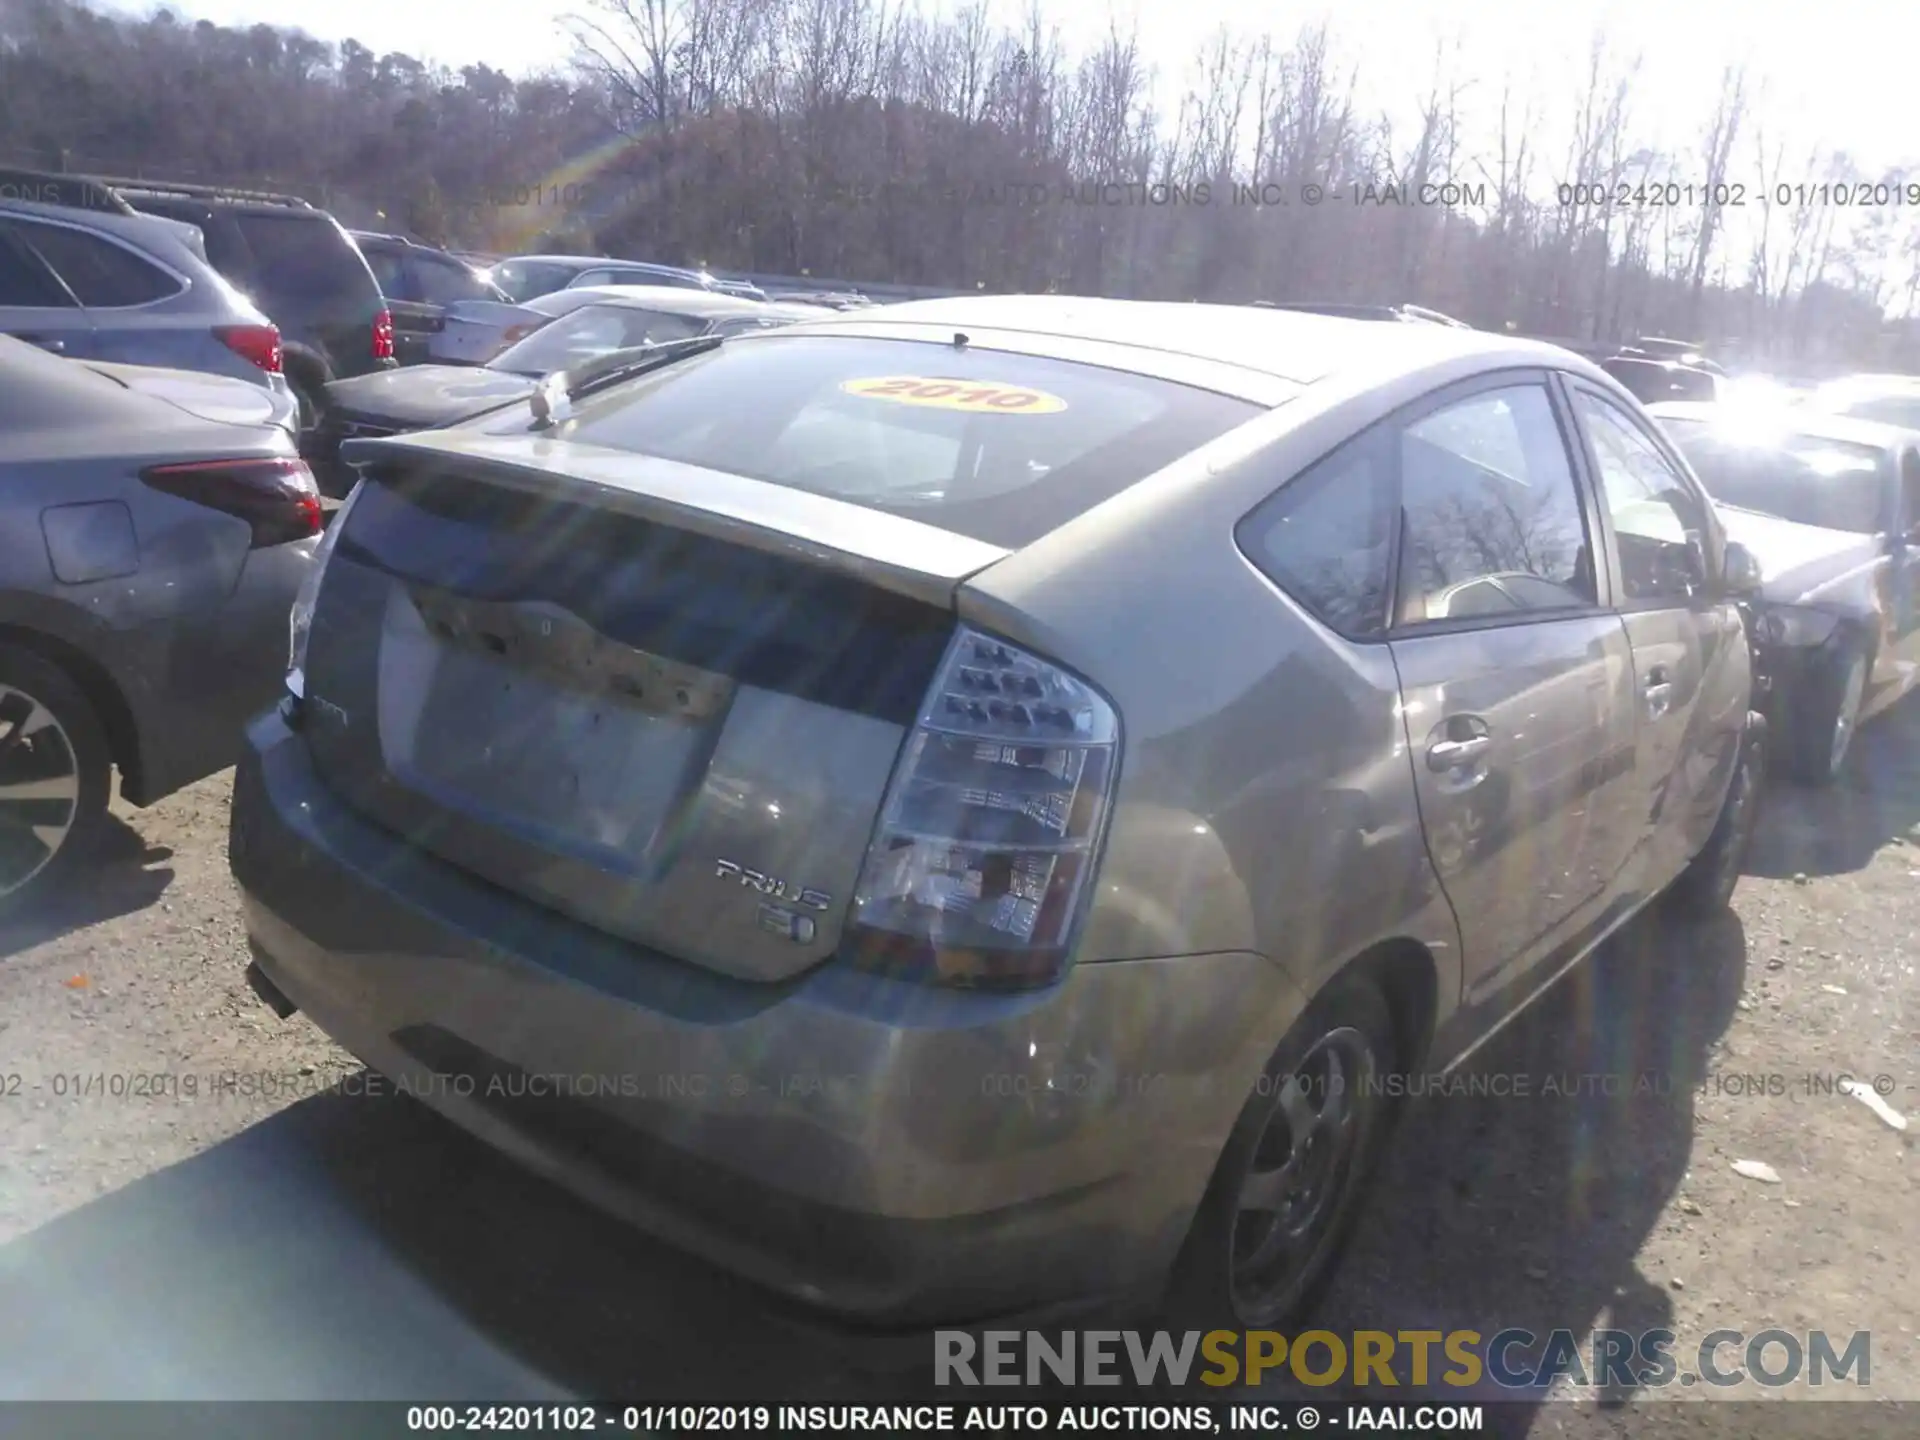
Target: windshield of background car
<point x="1803" y="478"/>
<point x="309" y="256"/>
<point x="998" y="446"/>
<point x="591" y="332"/>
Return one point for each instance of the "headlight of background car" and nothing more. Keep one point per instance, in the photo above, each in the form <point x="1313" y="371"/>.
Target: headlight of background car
<point x="1796" y="628"/>
<point x="300" y="622"/>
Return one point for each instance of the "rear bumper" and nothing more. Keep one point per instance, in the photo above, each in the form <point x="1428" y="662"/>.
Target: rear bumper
<point x="192" y="682"/>
<point x="891" y="1154"/>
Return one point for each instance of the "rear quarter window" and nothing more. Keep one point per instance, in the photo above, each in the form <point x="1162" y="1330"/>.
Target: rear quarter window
<point x="100" y="273"/>
<point x="998" y="446"/>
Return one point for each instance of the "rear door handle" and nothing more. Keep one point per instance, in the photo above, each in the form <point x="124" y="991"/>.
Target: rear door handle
<point x="1444" y="755"/>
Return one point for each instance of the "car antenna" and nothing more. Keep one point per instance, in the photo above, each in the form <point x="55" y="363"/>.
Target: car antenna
<point x="959" y="340"/>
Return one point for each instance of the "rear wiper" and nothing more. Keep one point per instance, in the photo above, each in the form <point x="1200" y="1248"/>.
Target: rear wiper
<point x="552" y="399"/>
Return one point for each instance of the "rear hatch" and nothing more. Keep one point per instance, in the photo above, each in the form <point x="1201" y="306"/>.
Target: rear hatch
<point x="653" y="667"/>
<point x="582" y="701"/>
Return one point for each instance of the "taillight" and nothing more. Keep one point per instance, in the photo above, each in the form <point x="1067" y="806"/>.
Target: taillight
<point x="983" y="857"/>
<point x="383" y="335"/>
<point x="259" y="344"/>
<point x="277" y="497"/>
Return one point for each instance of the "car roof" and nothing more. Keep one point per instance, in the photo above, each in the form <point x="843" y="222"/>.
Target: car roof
<point x="1158" y="337"/>
<point x="1788" y="420"/>
<point x="674" y="299"/>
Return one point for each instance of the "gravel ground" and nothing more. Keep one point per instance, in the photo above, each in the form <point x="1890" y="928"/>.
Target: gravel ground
<point x="164" y="1236"/>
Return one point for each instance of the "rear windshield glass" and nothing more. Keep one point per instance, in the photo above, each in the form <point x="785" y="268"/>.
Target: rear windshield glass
<point x="1649" y="381"/>
<point x="307" y="255"/>
<point x="528" y="279"/>
<point x="585" y="334"/>
<point x="1803" y="478"/>
<point x="997" y="446"/>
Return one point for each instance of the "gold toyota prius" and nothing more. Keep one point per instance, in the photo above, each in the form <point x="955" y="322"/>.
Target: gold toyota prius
<point x="959" y="810"/>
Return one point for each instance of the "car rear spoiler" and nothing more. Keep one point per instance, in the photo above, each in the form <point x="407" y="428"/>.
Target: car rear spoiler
<point x="907" y="557"/>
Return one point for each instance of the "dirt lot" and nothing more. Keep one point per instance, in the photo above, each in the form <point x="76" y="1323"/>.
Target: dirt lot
<point x="324" y="1245"/>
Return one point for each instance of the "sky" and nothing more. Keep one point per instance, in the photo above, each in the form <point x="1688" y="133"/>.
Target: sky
<point x="1838" y="73"/>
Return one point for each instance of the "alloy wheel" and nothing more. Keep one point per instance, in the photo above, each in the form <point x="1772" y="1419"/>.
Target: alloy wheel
<point x="39" y="788"/>
<point x="1300" y="1173"/>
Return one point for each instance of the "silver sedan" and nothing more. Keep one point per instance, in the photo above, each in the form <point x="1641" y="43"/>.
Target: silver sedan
<point x="159" y="523"/>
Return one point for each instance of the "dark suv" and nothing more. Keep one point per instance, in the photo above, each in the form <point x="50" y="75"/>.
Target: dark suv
<point x="298" y="265"/>
<point x="420" y="282"/>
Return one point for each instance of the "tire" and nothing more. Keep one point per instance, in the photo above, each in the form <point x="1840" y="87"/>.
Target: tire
<point x="1827" y="715"/>
<point x="52" y="747"/>
<point x="1705" y="887"/>
<point x="308" y="384"/>
<point x="1245" y="1267"/>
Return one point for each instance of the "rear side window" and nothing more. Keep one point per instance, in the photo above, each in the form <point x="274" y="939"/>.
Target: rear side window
<point x="1326" y="537"/>
<point x="306" y="255"/>
<point x="1493" y="514"/>
<point x="25" y="279"/>
<point x="998" y="446"/>
<point x="101" y="274"/>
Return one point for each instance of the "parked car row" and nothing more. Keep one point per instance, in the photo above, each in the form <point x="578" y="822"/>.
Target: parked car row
<point x="340" y="304"/>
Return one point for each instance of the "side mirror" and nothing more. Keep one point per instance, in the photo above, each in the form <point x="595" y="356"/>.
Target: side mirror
<point x="1740" y="574"/>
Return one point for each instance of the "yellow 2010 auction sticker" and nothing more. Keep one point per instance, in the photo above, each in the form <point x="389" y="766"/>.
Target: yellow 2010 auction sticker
<point x="980" y="398"/>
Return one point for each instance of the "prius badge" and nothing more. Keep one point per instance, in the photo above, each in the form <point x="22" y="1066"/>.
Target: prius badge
<point x="786" y="919"/>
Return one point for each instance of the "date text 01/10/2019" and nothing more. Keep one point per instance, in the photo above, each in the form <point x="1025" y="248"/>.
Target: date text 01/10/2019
<point x="1735" y="194"/>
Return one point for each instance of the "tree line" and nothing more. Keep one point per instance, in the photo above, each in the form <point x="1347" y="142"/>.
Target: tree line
<point x="865" y="140"/>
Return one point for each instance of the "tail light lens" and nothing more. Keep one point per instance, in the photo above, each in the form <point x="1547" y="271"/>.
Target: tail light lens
<point x="259" y="344"/>
<point x="276" y="497"/>
<point x="513" y="335"/>
<point x="383" y="335"/>
<point x="983" y="858"/>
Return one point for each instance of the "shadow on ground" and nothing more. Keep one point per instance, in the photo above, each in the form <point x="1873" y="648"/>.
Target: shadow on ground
<point x="363" y="1247"/>
<point x="1837" y="830"/>
<point x="1523" y="1205"/>
<point x="126" y="876"/>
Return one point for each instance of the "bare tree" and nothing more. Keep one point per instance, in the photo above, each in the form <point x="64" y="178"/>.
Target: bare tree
<point x="1722" y="131"/>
